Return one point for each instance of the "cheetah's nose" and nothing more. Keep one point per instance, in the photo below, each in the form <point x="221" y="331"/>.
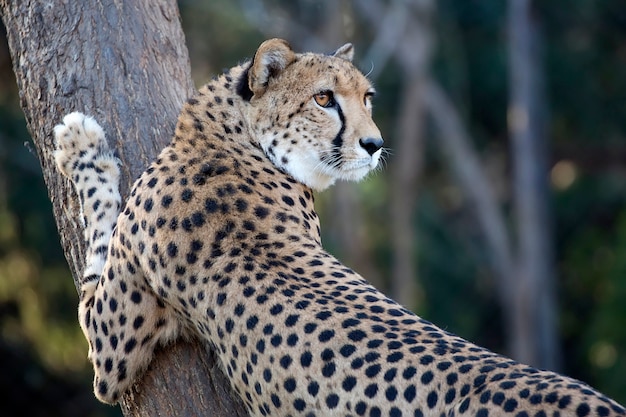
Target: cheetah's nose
<point x="371" y="145"/>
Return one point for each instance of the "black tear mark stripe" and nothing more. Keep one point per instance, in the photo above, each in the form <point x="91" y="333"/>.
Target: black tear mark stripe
<point x="338" y="141"/>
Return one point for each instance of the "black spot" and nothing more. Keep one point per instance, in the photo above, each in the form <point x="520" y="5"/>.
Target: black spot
<point x="166" y="201"/>
<point x="395" y="412"/>
<point x="329" y="369"/>
<point x="148" y="204"/>
<point x="291" y="320"/>
<point x="260" y="346"/>
<point x="371" y="390"/>
<point x="564" y="401"/>
<point x="485" y="397"/>
<point x="410" y="393"/>
<point x="426" y="360"/>
<point x="285" y="361"/>
<point x="135" y="297"/>
<point x="138" y="322"/>
<point x="602" y="411"/>
<point x="290" y="385"/>
<point x="276" y="340"/>
<point x="299" y="404"/>
<point x="229" y="325"/>
<point x="305" y="359"/>
<point x="391" y="393"/>
<point x="292" y="339"/>
<point x="390" y="374"/>
<point x="239" y="310"/>
<point x="261" y="212"/>
<point x="276" y="309"/>
<point x="172" y="249"/>
<point x="395" y="357"/>
<point x="197" y="219"/>
<point x="130" y="345"/>
<point x="211" y="205"/>
<point x="332" y="401"/>
<point x="582" y="410"/>
<point x="241" y="205"/>
<point x="313" y="388"/>
<point x="108" y="365"/>
<point x="431" y="400"/>
<point x="103" y="388"/>
<point x="357" y="335"/>
<point x="427" y="377"/>
<point x="360" y="408"/>
<point x="326" y="335"/>
<point x="347" y="350"/>
<point x="450" y="396"/>
<point x="551" y="398"/>
<point x="372" y="371"/>
<point x="186" y="195"/>
<point x="452" y="378"/>
<point x="510" y="405"/>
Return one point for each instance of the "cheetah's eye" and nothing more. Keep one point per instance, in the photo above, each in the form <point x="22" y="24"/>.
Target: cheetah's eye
<point x="324" y="99"/>
<point x="367" y="100"/>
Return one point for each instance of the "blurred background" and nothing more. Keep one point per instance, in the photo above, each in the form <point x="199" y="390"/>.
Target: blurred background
<point x="499" y="213"/>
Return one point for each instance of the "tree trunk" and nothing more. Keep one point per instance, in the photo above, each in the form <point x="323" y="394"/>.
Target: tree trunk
<point x="403" y="189"/>
<point x="126" y="64"/>
<point x="533" y="338"/>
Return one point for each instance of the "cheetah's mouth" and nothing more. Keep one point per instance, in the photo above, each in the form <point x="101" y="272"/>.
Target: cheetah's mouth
<point x="355" y="170"/>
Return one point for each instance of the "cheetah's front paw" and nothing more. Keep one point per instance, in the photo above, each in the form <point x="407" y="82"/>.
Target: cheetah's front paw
<point x="80" y="143"/>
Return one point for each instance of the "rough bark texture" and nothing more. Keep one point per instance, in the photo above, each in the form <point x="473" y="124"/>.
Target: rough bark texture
<point x="126" y="64"/>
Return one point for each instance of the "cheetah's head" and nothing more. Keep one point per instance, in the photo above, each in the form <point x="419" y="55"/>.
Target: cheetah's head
<point x="312" y="113"/>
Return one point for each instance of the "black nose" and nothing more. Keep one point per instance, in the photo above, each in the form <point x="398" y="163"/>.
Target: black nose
<point x="371" y="145"/>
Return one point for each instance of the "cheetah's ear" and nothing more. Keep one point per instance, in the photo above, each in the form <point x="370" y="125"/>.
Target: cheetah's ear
<point x="345" y="52"/>
<point x="272" y="57"/>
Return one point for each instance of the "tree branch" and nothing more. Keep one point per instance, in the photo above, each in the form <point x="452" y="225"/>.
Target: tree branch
<point x="465" y="164"/>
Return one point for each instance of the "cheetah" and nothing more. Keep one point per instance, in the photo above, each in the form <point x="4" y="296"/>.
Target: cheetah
<point x="219" y="240"/>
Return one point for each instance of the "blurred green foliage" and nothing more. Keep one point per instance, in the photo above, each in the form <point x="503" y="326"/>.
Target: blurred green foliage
<point x="585" y="57"/>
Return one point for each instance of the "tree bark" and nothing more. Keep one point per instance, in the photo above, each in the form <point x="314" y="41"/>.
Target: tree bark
<point x="126" y="64"/>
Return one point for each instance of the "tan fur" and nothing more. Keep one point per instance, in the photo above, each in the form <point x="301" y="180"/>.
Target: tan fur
<point x="220" y="240"/>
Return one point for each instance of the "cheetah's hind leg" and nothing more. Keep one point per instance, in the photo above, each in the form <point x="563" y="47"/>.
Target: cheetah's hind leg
<point x="82" y="155"/>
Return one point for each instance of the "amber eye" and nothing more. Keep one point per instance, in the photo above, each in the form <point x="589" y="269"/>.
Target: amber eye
<point x="324" y="99"/>
<point x="367" y="100"/>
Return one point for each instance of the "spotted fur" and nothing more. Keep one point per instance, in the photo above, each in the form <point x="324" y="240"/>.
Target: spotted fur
<point x="219" y="239"/>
